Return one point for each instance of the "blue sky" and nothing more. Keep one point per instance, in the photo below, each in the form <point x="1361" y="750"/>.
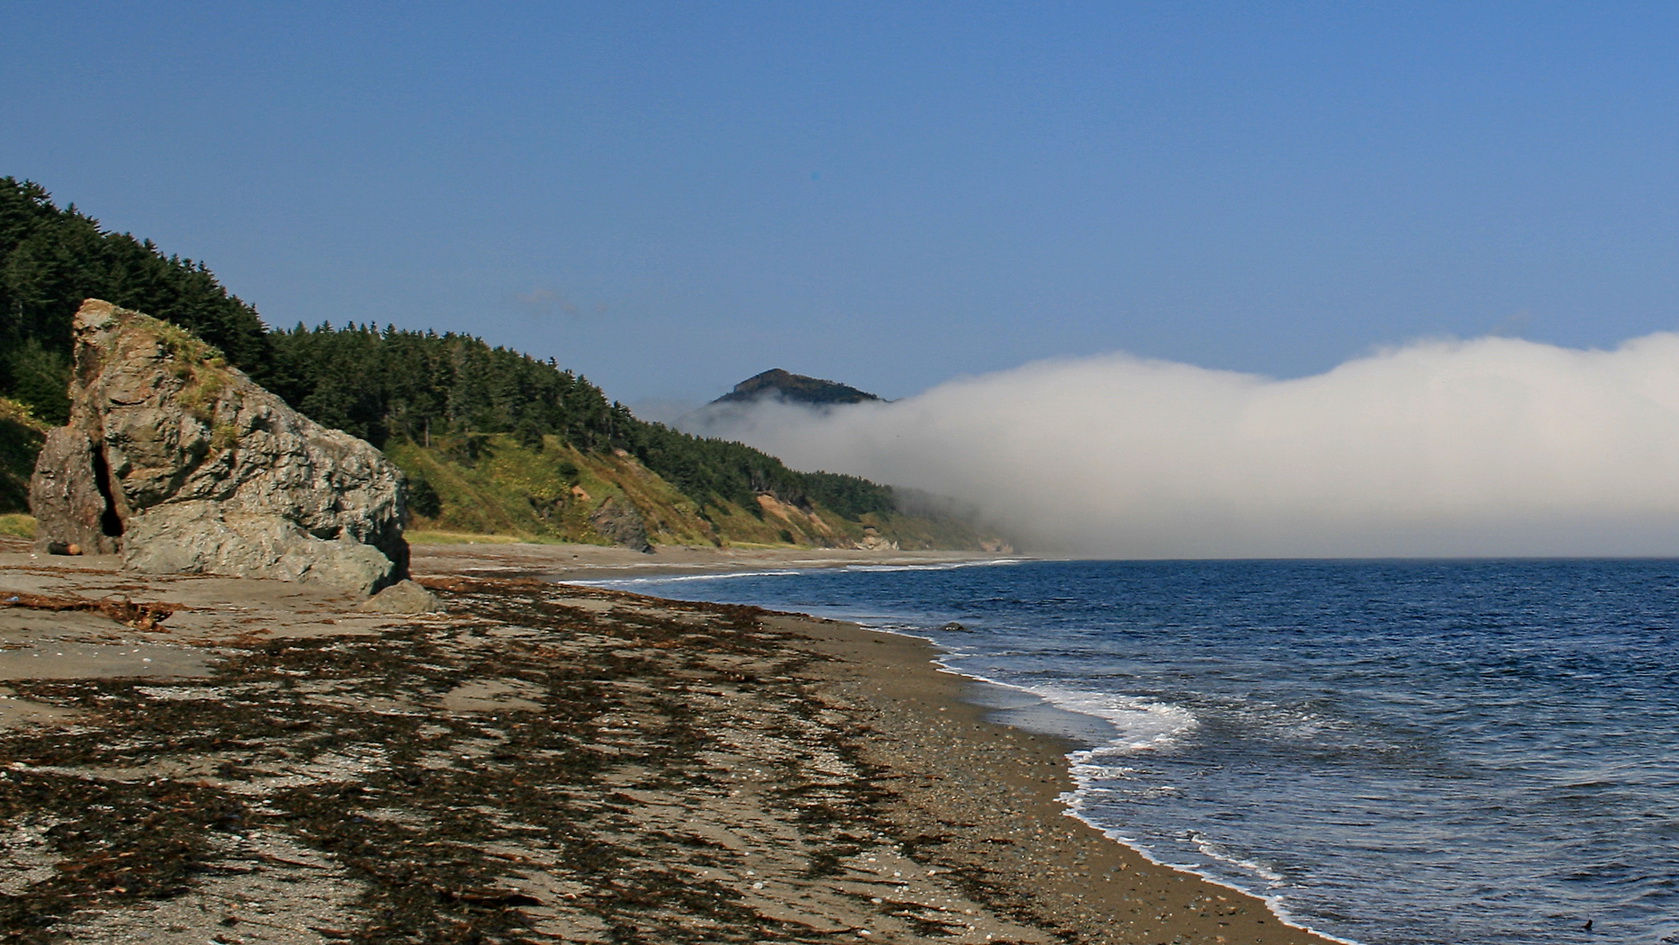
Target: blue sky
<point x="669" y="197"/>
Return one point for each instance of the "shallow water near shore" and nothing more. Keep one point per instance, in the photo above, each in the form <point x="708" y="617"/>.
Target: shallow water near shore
<point x="1394" y="752"/>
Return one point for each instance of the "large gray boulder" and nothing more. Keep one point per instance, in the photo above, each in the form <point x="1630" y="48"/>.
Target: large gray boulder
<point x="183" y="464"/>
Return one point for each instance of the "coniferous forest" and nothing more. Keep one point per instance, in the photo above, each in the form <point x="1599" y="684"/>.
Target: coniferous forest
<point x="52" y="259"/>
<point x="405" y="391"/>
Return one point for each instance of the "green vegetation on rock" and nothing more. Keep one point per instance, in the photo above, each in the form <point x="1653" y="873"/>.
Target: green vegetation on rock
<point x="21" y="436"/>
<point x="17" y="525"/>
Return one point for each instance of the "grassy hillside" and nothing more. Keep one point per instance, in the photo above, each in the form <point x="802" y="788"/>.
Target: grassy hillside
<point x="497" y="485"/>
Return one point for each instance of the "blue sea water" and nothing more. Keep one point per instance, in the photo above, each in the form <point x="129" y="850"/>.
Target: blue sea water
<point x="1393" y="752"/>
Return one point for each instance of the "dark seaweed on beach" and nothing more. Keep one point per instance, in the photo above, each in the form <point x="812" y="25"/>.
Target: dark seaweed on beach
<point x="479" y="826"/>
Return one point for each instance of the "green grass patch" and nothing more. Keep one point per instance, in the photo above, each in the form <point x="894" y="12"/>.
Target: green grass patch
<point x="479" y="488"/>
<point x="426" y="537"/>
<point x="21" y="436"/>
<point x="492" y="485"/>
<point x="17" y="525"/>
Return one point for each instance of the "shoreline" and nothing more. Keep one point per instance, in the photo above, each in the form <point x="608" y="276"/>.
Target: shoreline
<point x="593" y="563"/>
<point x="1033" y="722"/>
<point x="812" y="778"/>
<point x="1103" y="882"/>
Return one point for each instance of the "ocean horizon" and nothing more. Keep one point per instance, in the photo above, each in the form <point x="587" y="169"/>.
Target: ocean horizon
<point x="1391" y="752"/>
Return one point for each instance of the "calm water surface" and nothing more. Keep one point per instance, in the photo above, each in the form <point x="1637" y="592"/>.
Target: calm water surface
<point x="1394" y="752"/>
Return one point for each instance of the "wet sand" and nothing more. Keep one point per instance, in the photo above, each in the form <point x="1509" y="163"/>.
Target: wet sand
<point x="264" y="763"/>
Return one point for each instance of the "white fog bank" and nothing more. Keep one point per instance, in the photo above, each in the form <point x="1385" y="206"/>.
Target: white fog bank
<point x="1487" y="447"/>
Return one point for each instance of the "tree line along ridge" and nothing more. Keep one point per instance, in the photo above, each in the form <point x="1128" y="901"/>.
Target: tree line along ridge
<point x="386" y="385"/>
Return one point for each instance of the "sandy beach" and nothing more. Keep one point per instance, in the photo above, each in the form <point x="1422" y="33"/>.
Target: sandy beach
<point x="194" y="759"/>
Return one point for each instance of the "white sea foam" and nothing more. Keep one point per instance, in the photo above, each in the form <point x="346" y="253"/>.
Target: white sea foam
<point x="940" y="566"/>
<point x="1076" y="802"/>
<point x="1141" y="724"/>
<point x="650" y="580"/>
<point x="1214" y="851"/>
<point x="1145" y="726"/>
<point x="1136" y="724"/>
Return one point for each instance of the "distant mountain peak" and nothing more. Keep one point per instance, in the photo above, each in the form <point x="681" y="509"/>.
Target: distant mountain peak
<point x="794" y="388"/>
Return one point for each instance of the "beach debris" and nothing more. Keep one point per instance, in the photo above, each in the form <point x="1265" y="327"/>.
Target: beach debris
<point x="140" y="616"/>
<point x="182" y="464"/>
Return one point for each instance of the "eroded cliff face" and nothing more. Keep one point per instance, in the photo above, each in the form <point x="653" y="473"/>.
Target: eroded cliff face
<point x="183" y="464"/>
